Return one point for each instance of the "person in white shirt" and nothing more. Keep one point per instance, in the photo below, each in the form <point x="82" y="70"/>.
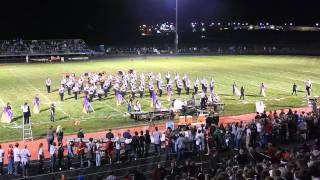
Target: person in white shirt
<point x="53" y="151"/>
<point x="98" y="153"/>
<point x="157" y="141"/>
<point x="61" y="92"/>
<point x="200" y="141"/>
<point x="48" y="84"/>
<point x="16" y="159"/>
<point x="40" y="157"/>
<point x="26" y="113"/>
<point x="308" y="87"/>
<point x="76" y="90"/>
<point x="25" y="155"/>
<point x="1" y="160"/>
<point x="168" y="77"/>
<point x="118" y="147"/>
<point x="137" y="107"/>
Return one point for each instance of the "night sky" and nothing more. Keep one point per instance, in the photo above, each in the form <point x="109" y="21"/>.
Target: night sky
<point x="110" y="19"/>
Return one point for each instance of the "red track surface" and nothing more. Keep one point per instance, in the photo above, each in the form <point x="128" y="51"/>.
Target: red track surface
<point x="33" y="146"/>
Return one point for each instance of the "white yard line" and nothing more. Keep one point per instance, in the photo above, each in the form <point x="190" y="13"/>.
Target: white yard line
<point x="2" y="102"/>
<point x="114" y="109"/>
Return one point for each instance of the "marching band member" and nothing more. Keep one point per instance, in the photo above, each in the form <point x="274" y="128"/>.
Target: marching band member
<point x="179" y="87"/>
<point x="106" y="86"/>
<point x="151" y="89"/>
<point x="168" y="77"/>
<point x="204" y="83"/>
<point x="137" y="107"/>
<point x="129" y="105"/>
<point x="86" y="104"/>
<point x="184" y="79"/>
<point x="7" y="114"/>
<point x="48" y="84"/>
<point x="141" y="90"/>
<point x="116" y="88"/>
<point x="61" y="92"/>
<point x="212" y="86"/>
<point x="203" y="97"/>
<point x="169" y="91"/>
<point x="187" y="86"/>
<point x="52" y="112"/>
<point x="294" y="89"/>
<point x="150" y="75"/>
<point x="193" y="99"/>
<point x="157" y="105"/>
<point x="160" y="88"/>
<point x="133" y="90"/>
<point x="26" y="113"/>
<point x="159" y="78"/>
<point x="242" y="93"/>
<point x="76" y="90"/>
<point x="122" y="93"/>
<point x="176" y="76"/>
<point x="86" y="88"/>
<point x="235" y="89"/>
<point x="262" y="90"/>
<point x="100" y="93"/>
<point x="63" y="81"/>
<point x="196" y="86"/>
<point x="308" y="87"/>
<point x="142" y="77"/>
<point x="216" y="98"/>
<point x="69" y="85"/>
<point x="36" y="104"/>
<point x="91" y="93"/>
<point x="80" y="82"/>
<point x="154" y="98"/>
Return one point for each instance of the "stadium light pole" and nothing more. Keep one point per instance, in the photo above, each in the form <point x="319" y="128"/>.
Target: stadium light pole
<point x="176" y="40"/>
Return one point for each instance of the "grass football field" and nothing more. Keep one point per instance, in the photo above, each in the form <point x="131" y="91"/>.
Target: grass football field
<point x="20" y="83"/>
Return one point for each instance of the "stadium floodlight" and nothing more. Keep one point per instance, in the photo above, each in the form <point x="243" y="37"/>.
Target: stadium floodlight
<point x="176" y="41"/>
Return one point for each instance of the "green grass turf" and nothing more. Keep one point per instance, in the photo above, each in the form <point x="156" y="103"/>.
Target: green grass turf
<point x="20" y="82"/>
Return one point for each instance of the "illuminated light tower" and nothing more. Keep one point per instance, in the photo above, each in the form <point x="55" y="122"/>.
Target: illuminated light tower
<point x="176" y="40"/>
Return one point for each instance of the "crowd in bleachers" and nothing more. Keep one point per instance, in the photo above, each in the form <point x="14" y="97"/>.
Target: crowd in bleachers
<point x="36" y="47"/>
<point x="205" y="50"/>
<point x="273" y="146"/>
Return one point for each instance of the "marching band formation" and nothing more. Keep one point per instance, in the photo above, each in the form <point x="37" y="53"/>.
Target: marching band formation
<point x="127" y="86"/>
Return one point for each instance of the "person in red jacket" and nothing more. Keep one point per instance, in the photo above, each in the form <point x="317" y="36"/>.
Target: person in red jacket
<point x="81" y="150"/>
<point x="109" y="149"/>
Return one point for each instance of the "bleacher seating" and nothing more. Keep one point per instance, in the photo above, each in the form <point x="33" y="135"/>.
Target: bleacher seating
<point x="21" y="47"/>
